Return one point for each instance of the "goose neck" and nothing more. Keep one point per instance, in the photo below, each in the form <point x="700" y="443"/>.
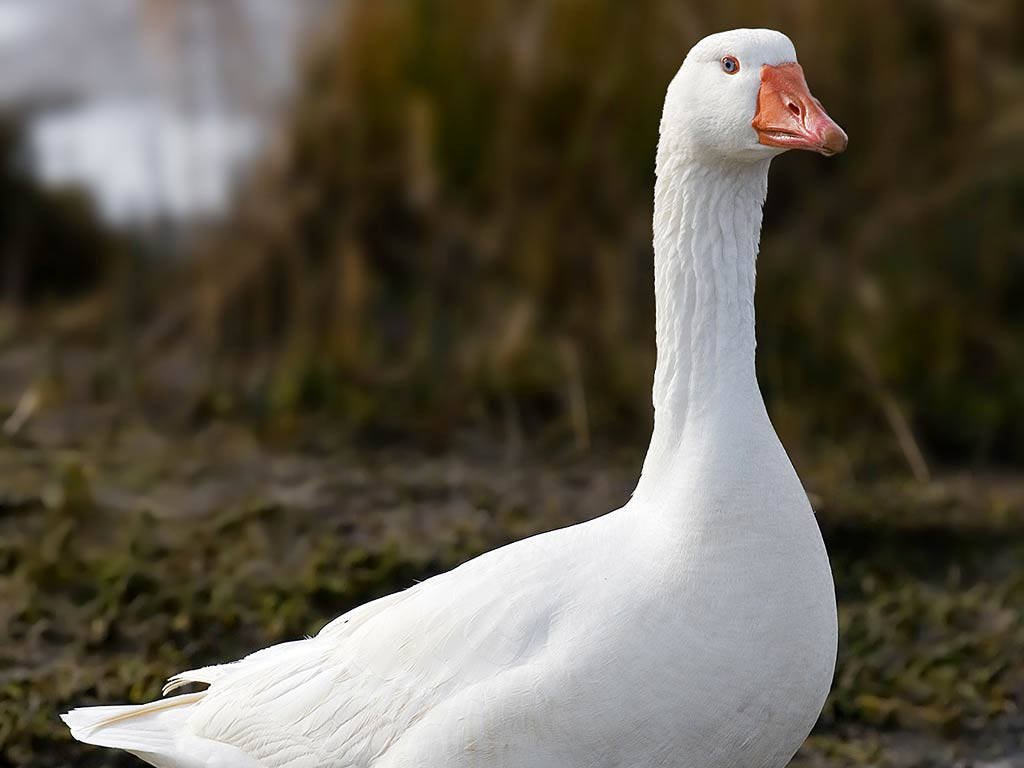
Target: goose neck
<point x="707" y="224"/>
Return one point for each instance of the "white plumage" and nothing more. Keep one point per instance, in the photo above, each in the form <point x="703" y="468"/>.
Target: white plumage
<point x="695" y="626"/>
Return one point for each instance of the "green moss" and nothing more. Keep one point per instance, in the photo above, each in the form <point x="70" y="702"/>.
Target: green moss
<point x="103" y="603"/>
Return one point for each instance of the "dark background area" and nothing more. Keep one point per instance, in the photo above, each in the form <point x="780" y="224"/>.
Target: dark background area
<point x="424" y="327"/>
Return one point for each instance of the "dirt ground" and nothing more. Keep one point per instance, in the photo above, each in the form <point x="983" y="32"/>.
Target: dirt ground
<point x="126" y="556"/>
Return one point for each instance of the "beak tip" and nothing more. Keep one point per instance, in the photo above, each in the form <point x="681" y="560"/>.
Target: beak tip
<point x="836" y="140"/>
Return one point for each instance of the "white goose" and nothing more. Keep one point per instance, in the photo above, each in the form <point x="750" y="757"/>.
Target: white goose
<point x="695" y="626"/>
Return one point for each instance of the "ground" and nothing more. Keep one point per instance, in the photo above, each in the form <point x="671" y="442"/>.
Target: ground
<point x="125" y="559"/>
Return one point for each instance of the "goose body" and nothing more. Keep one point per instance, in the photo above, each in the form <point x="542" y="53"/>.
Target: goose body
<point x="695" y="626"/>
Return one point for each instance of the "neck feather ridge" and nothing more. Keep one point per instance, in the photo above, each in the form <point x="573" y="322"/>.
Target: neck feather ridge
<point x="707" y="224"/>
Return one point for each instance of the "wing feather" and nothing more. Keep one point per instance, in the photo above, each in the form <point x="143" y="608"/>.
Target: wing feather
<point x="345" y="696"/>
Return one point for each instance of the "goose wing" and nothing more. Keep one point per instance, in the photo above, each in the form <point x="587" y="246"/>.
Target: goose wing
<point x="347" y="695"/>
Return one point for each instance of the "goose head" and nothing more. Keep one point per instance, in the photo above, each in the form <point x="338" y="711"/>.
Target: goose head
<point x="741" y="95"/>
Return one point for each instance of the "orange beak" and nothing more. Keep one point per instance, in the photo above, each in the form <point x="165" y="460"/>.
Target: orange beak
<point x="789" y="117"/>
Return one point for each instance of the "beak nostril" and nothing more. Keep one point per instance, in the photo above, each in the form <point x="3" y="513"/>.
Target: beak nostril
<point x="795" y="109"/>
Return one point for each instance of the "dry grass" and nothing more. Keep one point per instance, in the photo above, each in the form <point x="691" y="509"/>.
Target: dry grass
<point x="454" y="229"/>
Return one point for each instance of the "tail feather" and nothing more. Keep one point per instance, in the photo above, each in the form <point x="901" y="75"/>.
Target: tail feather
<point x="143" y="728"/>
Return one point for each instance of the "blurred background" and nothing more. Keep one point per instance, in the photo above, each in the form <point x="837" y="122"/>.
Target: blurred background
<point x="300" y="302"/>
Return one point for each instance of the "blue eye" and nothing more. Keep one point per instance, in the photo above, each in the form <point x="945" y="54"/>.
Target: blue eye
<point x="730" y="65"/>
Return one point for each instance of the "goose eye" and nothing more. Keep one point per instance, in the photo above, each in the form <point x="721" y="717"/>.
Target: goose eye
<point x="730" y="65"/>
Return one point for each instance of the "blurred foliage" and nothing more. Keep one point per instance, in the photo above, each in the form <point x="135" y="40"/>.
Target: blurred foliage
<point x="454" y="228"/>
<point x="52" y="244"/>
